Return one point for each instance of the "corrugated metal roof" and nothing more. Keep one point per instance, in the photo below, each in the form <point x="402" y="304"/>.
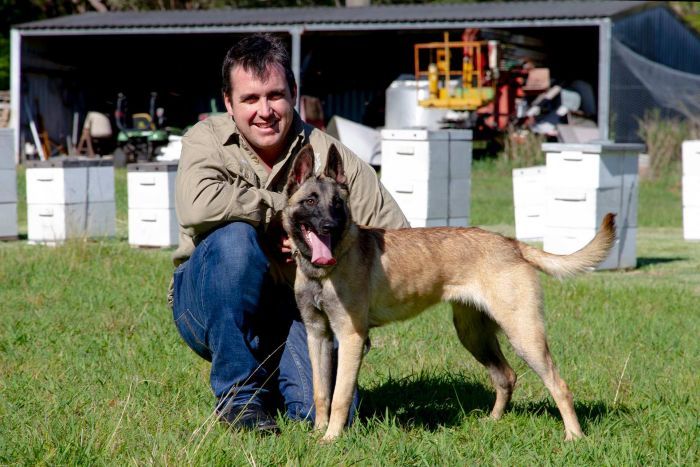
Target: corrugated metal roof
<point x="306" y="16"/>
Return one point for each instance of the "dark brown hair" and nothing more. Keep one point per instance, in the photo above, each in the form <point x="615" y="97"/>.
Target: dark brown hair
<point x="256" y="53"/>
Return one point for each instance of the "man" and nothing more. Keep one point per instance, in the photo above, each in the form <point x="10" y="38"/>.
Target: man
<point x="232" y="300"/>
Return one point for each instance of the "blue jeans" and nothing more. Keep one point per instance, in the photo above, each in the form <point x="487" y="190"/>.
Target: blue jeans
<point x="229" y="312"/>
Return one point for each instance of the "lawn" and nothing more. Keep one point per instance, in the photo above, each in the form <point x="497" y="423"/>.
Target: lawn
<point x="92" y="370"/>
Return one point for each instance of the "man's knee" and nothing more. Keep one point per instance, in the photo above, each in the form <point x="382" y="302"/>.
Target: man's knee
<point x="234" y="248"/>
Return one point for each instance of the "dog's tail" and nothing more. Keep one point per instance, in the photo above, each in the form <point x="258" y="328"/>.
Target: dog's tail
<point x="589" y="256"/>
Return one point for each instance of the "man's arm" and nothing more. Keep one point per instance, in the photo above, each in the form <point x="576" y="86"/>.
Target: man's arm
<point x="209" y="193"/>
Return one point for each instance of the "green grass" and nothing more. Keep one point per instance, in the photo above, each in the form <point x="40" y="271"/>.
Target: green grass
<point x="92" y="370"/>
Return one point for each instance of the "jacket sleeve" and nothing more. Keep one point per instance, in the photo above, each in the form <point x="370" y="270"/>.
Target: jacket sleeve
<point x="208" y="191"/>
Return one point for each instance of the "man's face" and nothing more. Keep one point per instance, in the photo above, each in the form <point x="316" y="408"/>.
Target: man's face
<point x="262" y="110"/>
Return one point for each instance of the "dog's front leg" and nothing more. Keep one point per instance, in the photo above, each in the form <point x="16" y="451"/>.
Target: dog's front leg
<point x="350" y="351"/>
<point x="320" y="341"/>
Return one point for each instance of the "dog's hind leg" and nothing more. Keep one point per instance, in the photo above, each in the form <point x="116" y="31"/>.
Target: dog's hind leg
<point x="477" y="332"/>
<point x="524" y="327"/>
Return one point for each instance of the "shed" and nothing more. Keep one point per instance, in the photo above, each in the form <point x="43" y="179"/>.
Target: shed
<point x="345" y="56"/>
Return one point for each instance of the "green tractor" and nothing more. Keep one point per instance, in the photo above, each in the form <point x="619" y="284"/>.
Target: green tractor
<point x="138" y="141"/>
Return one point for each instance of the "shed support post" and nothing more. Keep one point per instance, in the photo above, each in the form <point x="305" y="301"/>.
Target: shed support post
<point x="604" y="60"/>
<point x="296" y="59"/>
<point x="15" y="88"/>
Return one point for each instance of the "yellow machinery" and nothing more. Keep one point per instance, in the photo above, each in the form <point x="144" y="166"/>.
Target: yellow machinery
<point x="469" y="92"/>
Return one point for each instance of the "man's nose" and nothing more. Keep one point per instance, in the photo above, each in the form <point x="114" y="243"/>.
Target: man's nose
<point x="264" y="110"/>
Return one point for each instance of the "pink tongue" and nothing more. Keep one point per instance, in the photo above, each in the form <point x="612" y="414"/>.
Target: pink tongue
<point x="320" y="249"/>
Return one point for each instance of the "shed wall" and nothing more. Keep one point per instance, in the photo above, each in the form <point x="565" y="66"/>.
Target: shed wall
<point x="660" y="36"/>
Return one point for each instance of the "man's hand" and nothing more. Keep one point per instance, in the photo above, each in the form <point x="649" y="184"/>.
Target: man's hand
<point x="279" y="241"/>
<point x="286" y="249"/>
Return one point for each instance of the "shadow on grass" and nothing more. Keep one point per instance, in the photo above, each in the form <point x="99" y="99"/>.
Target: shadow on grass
<point x="427" y="401"/>
<point x="590" y="413"/>
<point x="433" y="401"/>
<point x="644" y="262"/>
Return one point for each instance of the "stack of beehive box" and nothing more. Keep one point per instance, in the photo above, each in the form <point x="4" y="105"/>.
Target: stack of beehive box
<point x="152" y="219"/>
<point x="70" y="197"/>
<point x="8" y="186"/>
<point x="583" y="183"/>
<point x="529" y="202"/>
<point x="691" y="190"/>
<point x="429" y="174"/>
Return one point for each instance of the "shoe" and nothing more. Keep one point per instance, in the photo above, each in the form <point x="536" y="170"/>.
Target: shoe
<point x="248" y="417"/>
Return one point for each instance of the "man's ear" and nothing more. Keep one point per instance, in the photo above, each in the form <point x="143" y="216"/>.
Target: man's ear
<point x="293" y="92"/>
<point x="334" y="166"/>
<point x="302" y="169"/>
<point x="228" y="104"/>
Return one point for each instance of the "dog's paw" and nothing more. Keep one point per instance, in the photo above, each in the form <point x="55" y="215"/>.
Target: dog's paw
<point x="570" y="436"/>
<point x="327" y="439"/>
<point x="322" y="427"/>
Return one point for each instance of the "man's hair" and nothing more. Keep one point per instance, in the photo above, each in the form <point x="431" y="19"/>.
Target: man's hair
<point x="256" y="53"/>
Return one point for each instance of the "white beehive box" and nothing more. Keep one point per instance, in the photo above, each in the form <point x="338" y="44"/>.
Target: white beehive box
<point x="691" y="190"/>
<point x="70" y="197"/>
<point x="429" y="174"/>
<point x="151" y="192"/>
<point x="584" y="207"/>
<point x="529" y="202"/>
<point x="691" y="158"/>
<point x="460" y="176"/>
<point x="583" y="183"/>
<point x="8" y="186"/>
<point x="8" y="221"/>
<point x="691" y="222"/>
<point x="7" y="148"/>
<point x="564" y="241"/>
<point x="54" y="223"/>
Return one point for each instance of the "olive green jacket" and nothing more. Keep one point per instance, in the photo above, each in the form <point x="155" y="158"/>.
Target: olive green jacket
<point x="220" y="179"/>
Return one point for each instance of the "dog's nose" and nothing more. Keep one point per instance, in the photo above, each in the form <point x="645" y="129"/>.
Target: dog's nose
<point x="327" y="226"/>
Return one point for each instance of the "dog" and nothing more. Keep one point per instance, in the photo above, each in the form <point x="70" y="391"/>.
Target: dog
<point x="351" y="278"/>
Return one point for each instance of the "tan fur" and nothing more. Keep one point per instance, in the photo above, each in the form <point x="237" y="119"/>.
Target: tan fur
<point x="383" y="276"/>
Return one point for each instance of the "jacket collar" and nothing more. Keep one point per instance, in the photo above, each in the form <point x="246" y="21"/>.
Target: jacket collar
<point x="228" y="134"/>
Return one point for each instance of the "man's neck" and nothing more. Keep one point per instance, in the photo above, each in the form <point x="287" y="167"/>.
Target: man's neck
<point x="269" y="157"/>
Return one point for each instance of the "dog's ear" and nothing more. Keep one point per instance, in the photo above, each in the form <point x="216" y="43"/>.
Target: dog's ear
<point x="334" y="166"/>
<point x="302" y="169"/>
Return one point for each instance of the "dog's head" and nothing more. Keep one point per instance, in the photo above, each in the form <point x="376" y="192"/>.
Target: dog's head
<point x="317" y="213"/>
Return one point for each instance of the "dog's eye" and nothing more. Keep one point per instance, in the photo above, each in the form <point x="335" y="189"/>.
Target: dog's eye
<point x="310" y="202"/>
